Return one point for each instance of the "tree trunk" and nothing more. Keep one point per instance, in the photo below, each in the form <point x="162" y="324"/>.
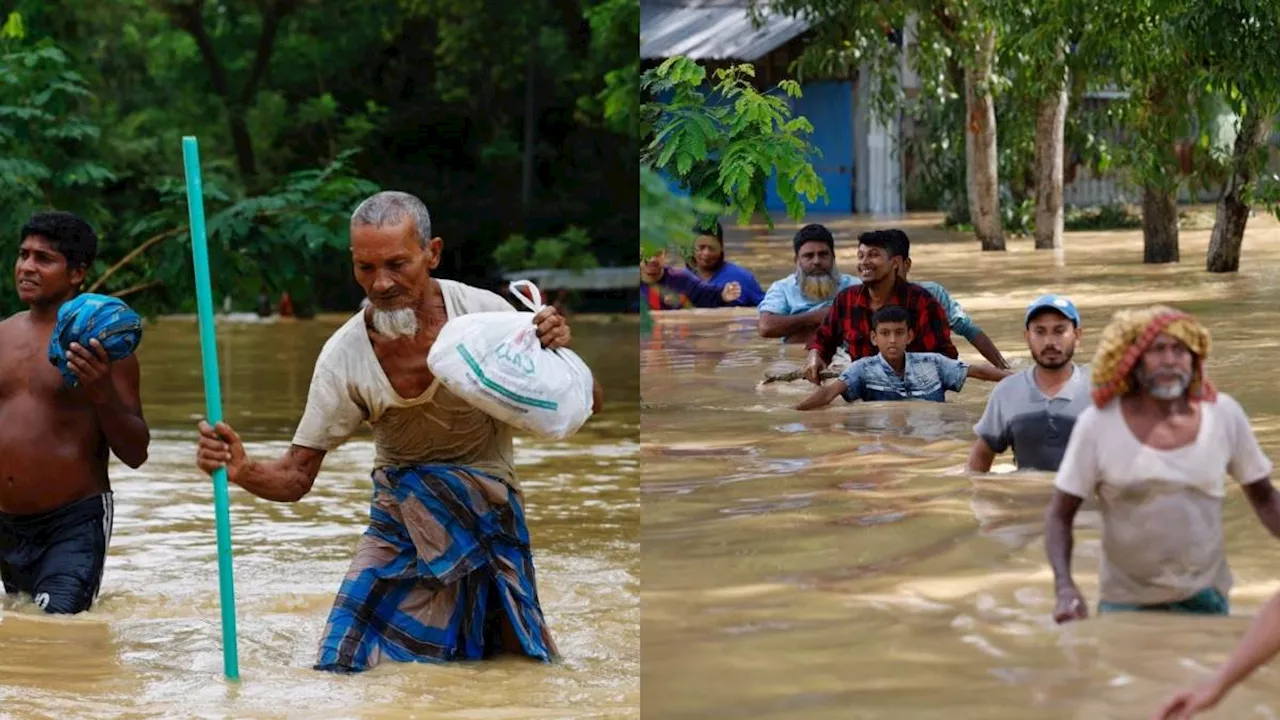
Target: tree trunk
<point x="190" y="17"/>
<point x="1051" y="122"/>
<point x="1159" y="225"/>
<point x="1233" y="211"/>
<point x="981" y="171"/>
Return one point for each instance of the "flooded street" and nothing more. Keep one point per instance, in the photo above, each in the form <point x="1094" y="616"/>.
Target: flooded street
<point x="841" y="564"/>
<point x="151" y="648"/>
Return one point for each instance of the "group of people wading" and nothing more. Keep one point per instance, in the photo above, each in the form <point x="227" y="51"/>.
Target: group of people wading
<point x="444" y="571"/>
<point x="1142" y="430"/>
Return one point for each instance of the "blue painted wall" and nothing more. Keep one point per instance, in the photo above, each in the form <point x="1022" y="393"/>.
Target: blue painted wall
<point x="829" y="107"/>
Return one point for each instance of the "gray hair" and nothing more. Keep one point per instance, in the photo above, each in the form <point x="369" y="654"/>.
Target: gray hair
<point x="391" y="207"/>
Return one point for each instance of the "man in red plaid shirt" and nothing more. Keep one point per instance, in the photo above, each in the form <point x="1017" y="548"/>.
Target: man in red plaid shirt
<point x="880" y="257"/>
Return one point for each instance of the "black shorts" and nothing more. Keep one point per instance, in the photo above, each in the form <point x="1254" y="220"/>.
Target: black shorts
<point x="57" y="557"/>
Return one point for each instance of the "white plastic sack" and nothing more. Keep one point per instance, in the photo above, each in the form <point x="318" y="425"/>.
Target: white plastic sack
<point x="494" y="361"/>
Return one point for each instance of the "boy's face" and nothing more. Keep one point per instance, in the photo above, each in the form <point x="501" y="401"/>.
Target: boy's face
<point x="891" y="339"/>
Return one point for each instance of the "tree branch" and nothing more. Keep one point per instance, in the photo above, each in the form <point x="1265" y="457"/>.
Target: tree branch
<point x="272" y="15"/>
<point x="133" y="254"/>
<point x="190" y="17"/>
<point x="945" y="20"/>
<point x="137" y="288"/>
<point x="153" y="240"/>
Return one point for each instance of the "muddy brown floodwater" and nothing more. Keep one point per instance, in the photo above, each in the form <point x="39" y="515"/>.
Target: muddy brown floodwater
<point x="152" y="646"/>
<point x="840" y="563"/>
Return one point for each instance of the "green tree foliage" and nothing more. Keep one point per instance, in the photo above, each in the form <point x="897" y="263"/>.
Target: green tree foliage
<point x="614" y="27"/>
<point x="723" y="143"/>
<point x="336" y="100"/>
<point x="571" y="250"/>
<point x="47" y="138"/>
<point x="665" y="217"/>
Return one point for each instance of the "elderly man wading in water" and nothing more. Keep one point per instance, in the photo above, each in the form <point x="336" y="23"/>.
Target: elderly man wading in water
<point x="444" y="571"/>
<point x="1156" y="448"/>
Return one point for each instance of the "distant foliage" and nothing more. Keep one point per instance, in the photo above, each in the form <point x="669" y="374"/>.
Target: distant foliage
<point x="301" y="109"/>
<point x="570" y="250"/>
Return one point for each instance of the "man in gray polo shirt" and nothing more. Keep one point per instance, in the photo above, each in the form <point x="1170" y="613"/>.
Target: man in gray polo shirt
<point x="1033" y="411"/>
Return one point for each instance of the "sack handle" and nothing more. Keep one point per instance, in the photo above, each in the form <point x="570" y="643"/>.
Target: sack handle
<point x="534" y="305"/>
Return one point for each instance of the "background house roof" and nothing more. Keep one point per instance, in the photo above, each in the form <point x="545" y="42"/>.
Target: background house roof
<point x="711" y="30"/>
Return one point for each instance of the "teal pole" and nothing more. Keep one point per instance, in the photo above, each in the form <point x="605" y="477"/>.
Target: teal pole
<point x="212" y="399"/>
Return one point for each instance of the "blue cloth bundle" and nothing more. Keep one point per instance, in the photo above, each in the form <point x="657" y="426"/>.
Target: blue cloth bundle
<point x="88" y="316"/>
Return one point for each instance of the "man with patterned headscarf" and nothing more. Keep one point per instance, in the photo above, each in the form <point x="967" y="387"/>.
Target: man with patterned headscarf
<point x="1155" y="448"/>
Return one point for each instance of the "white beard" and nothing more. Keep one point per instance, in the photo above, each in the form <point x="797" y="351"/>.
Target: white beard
<point x="1165" y="391"/>
<point x="401" y="322"/>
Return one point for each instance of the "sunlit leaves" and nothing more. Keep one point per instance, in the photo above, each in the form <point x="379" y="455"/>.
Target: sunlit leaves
<point x="722" y="143"/>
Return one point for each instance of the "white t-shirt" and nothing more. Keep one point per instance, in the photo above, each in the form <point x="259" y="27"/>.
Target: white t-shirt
<point x="349" y="387"/>
<point x="1161" y="509"/>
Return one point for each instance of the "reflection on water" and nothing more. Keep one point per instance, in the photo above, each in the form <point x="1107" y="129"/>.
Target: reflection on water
<point x="840" y="564"/>
<point x="152" y="646"/>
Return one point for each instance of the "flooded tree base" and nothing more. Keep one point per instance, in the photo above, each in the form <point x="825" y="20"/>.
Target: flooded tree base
<point x="1159" y="226"/>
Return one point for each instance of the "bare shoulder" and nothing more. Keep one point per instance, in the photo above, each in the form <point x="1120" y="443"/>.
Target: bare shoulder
<point x="11" y="323"/>
<point x="13" y="330"/>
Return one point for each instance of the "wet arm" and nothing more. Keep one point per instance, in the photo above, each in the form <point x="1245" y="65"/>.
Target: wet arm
<point x="980" y="457"/>
<point x="982" y="371"/>
<point x="772" y="325"/>
<point x="1260" y="644"/>
<point x="1058" y="538"/>
<point x="287" y="479"/>
<point x="701" y="294"/>
<point x="1265" y="500"/>
<point x="823" y="396"/>
<point x="120" y="414"/>
<point x="965" y="327"/>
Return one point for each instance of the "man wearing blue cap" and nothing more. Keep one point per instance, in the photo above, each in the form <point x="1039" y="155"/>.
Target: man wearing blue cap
<point x="1033" y="411"/>
<point x="56" y="430"/>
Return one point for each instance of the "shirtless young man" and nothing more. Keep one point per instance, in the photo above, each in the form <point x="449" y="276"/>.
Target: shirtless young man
<point x="55" y="497"/>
